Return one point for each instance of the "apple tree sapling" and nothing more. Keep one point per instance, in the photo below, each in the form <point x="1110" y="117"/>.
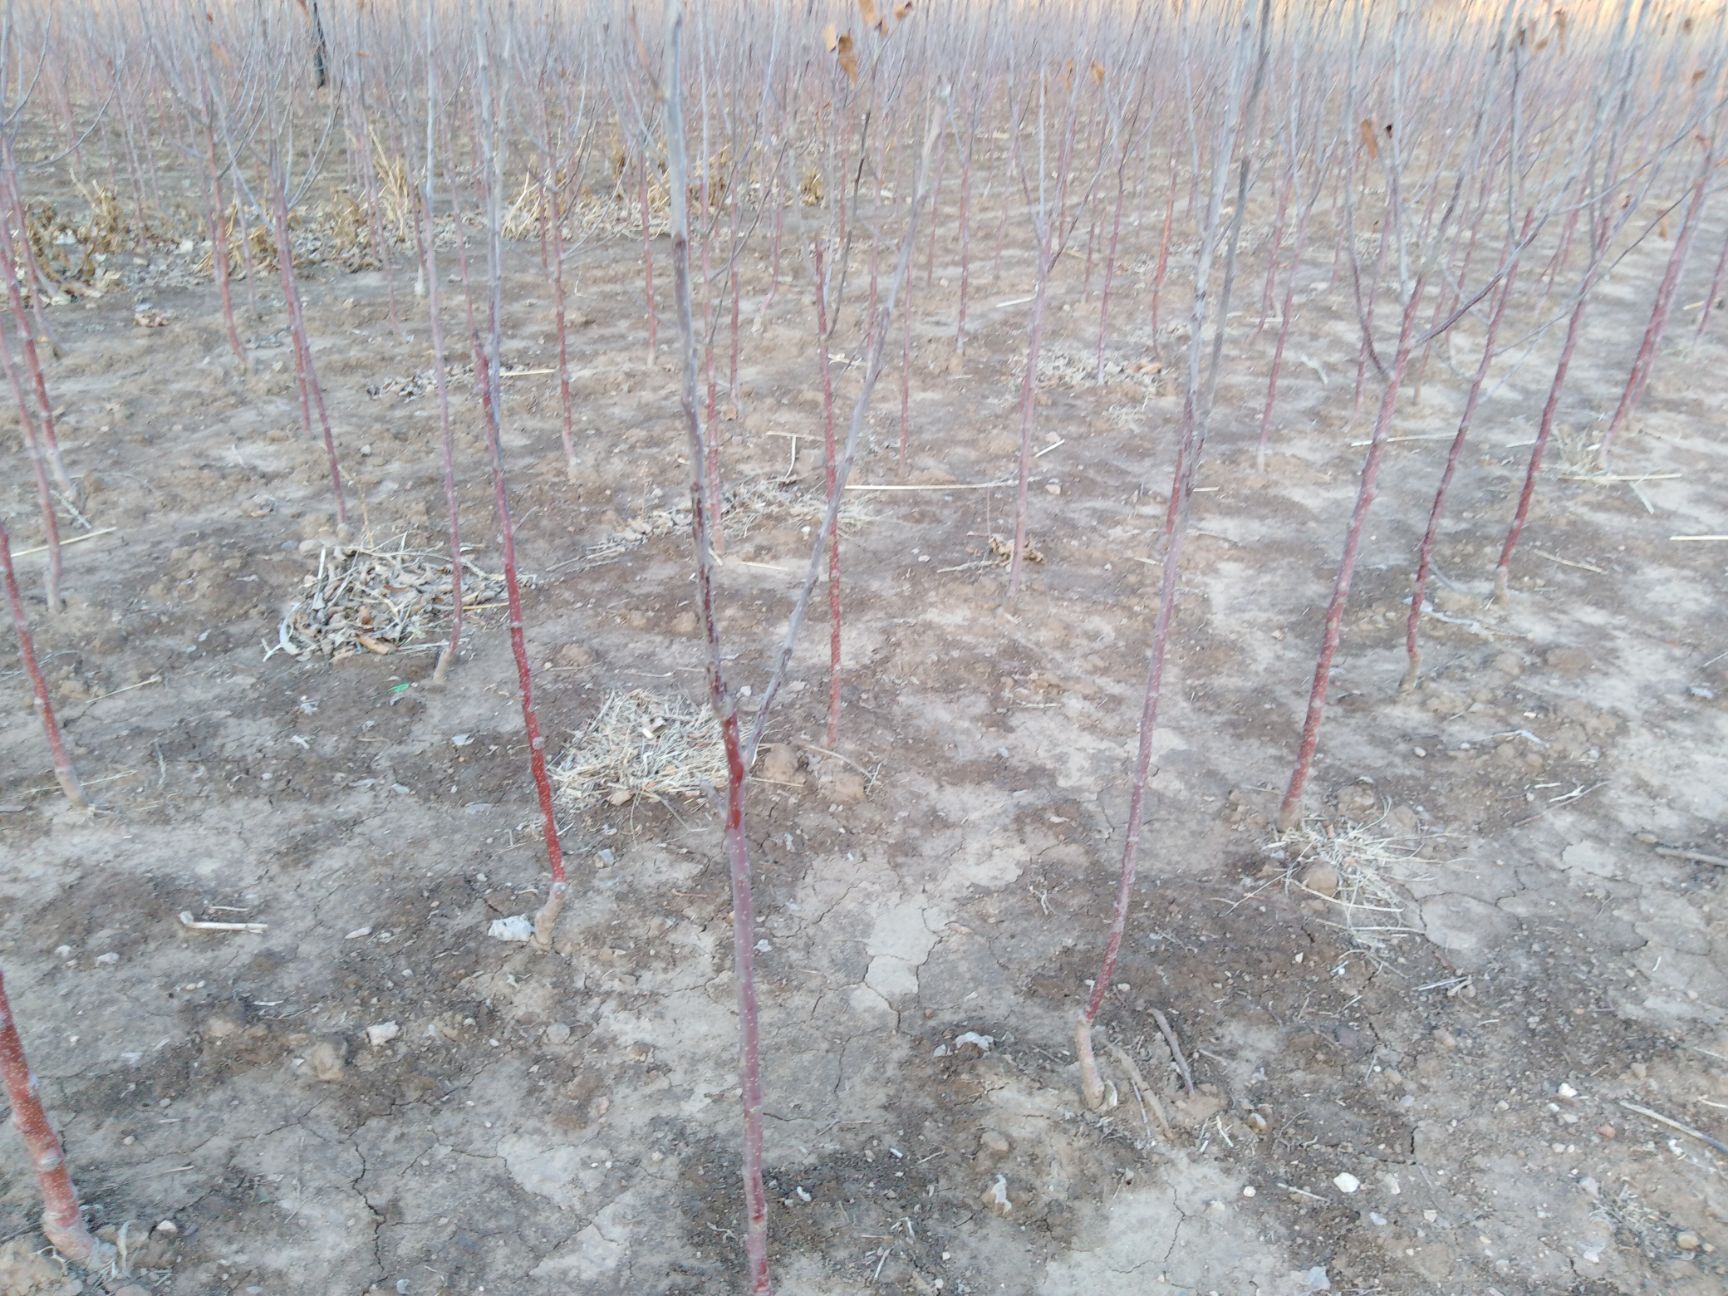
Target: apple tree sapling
<point x="488" y="366"/>
<point x="1237" y="111"/>
<point x="720" y="698"/>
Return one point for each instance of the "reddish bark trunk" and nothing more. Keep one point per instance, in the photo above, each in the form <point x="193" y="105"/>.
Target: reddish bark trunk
<point x="1425" y="556"/>
<point x="1646" y="358"/>
<point x="311" y="394"/>
<point x="62" y="1220"/>
<point x="1291" y="809"/>
<point x="64" y="774"/>
<point x="519" y="649"/>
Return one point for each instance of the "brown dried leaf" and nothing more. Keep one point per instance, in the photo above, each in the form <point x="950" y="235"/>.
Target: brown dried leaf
<point x="848" y="54"/>
<point x="1370" y="141"/>
<point x="1003" y="551"/>
<point x="1097" y="72"/>
<point x="867" y="11"/>
<point x="903" y="10"/>
<point x="831" y="37"/>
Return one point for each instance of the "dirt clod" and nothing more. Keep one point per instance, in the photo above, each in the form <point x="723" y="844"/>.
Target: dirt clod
<point x="328" y="1059"/>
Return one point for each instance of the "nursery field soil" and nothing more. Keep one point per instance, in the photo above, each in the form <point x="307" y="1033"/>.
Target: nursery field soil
<point x="1411" y="1075"/>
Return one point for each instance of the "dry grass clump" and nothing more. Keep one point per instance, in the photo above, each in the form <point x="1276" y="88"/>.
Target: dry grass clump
<point x="1579" y="452"/>
<point x="619" y="215"/>
<point x="73" y="253"/>
<point x="642" y="745"/>
<point x="1357" y="870"/>
<point x="377" y="600"/>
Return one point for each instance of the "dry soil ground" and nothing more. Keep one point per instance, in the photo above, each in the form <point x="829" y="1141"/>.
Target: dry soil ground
<point x="1426" y="1096"/>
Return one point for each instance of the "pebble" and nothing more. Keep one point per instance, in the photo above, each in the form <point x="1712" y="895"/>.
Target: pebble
<point x="996" y="1196"/>
<point x="971" y="1044"/>
<point x="557" y="1033"/>
<point x="517" y="929"/>
<point x="382" y="1033"/>
<point x="995" y="1142"/>
<point x="1321" y="879"/>
<point x="108" y="960"/>
<point x="1688" y="1240"/>
<point x="1346" y="1182"/>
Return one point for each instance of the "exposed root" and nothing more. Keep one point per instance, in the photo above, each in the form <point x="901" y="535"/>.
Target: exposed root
<point x="1091" y="1083"/>
<point x="547" y="917"/>
<point x="1148" y="1099"/>
<point x="1411" y="672"/>
<point x="75" y="1241"/>
<point x="442" y="669"/>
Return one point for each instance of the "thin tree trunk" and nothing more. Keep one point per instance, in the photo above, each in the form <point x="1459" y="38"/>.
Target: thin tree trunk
<point x="1291" y="809"/>
<point x="435" y="317"/>
<point x="1574" y="327"/>
<point x="1425" y="556"/>
<point x="720" y="697"/>
<point x="1028" y="394"/>
<point x="33" y="368"/>
<point x="488" y="363"/>
<point x="312" y="395"/>
<point x="64" y="774"/>
<point x="555" y="233"/>
<point x="830" y="468"/>
<point x="1637" y="380"/>
<point x="44" y="494"/>
<point x="62" y="1220"/>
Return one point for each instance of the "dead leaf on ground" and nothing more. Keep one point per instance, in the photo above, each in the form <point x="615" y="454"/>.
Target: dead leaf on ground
<point x="1370" y="141"/>
<point x="1003" y="551"/>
